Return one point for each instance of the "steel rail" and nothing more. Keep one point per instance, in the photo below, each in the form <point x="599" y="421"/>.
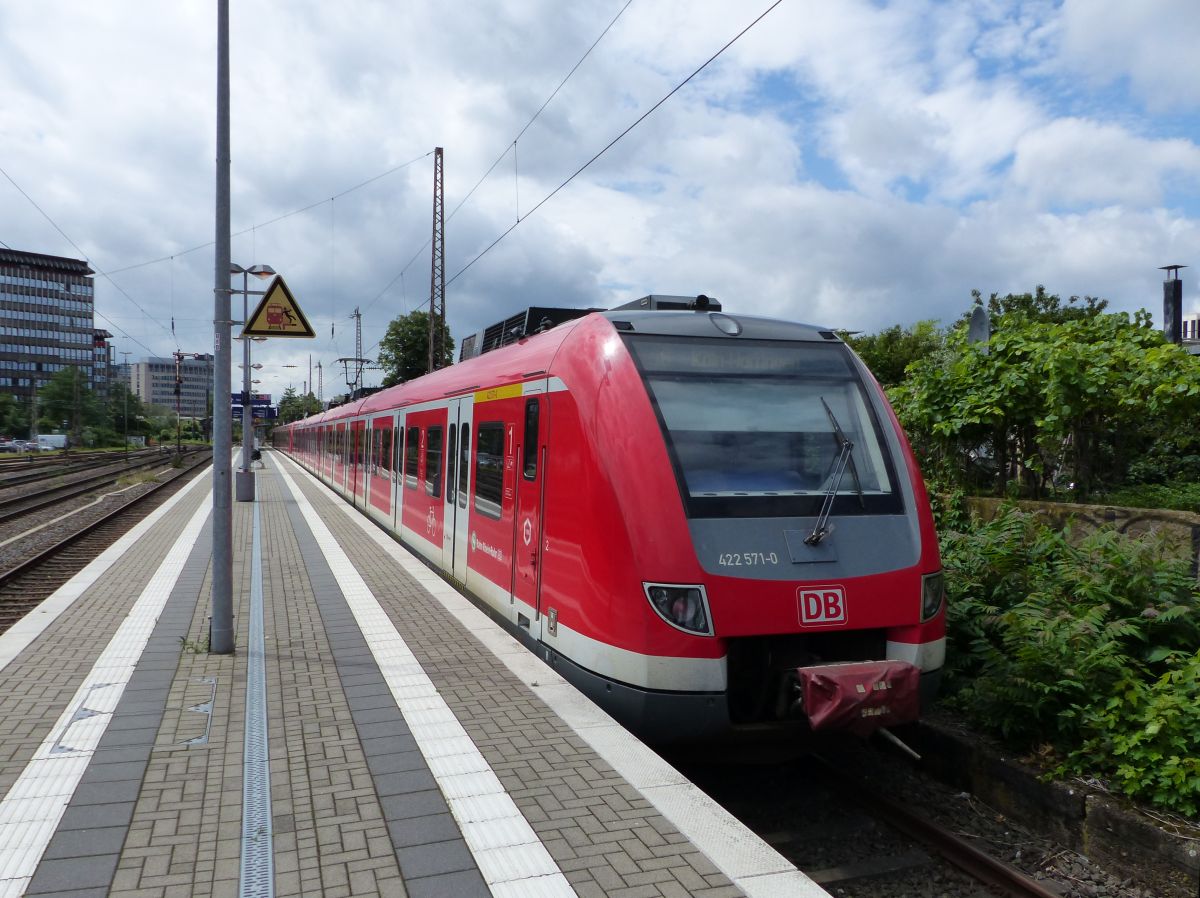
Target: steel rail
<point x="31" y="563"/>
<point x="74" y="464"/>
<point x="23" y="505"/>
<point x="954" y="850"/>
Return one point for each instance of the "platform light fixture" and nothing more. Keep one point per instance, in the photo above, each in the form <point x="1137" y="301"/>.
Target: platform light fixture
<point x="245" y="476"/>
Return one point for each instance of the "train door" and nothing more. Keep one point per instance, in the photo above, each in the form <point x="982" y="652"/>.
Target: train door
<point x="397" y="463"/>
<point x="458" y="475"/>
<point x="527" y="522"/>
<point x="339" y="456"/>
<point x="380" y="484"/>
<point x="358" y="453"/>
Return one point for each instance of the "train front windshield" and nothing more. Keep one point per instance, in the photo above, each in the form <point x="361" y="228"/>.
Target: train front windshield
<point x="753" y="426"/>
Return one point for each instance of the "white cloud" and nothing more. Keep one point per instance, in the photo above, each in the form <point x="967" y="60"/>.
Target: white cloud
<point x="1082" y="163"/>
<point x="853" y="163"/>
<point x="1152" y="43"/>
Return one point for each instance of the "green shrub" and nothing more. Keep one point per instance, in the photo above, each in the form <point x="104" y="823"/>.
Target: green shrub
<point x="1179" y="496"/>
<point x="1043" y="631"/>
<point x="1145" y="739"/>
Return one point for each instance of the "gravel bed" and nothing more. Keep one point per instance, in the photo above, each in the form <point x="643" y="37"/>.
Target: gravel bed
<point x="790" y="805"/>
<point x="998" y="835"/>
<point x="58" y="526"/>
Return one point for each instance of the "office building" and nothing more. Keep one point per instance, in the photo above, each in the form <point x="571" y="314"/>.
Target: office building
<point x="153" y="381"/>
<point x="46" y="319"/>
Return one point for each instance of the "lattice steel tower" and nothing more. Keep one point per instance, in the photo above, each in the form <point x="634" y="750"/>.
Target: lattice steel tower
<point x="437" y="278"/>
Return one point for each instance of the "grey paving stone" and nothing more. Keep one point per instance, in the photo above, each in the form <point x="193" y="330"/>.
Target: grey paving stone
<point x="120" y="756"/>
<point x="73" y="875"/>
<point x="127" y="738"/>
<point x="396" y="762"/>
<point x="86" y="842"/>
<point x="126" y="719"/>
<point x="404" y="782"/>
<point x="423" y="830"/>
<point x="388" y="744"/>
<point x="105" y="792"/>
<point x="91" y="816"/>
<point x="384" y="729"/>
<point x="415" y="804"/>
<point x="369" y="689"/>
<point x="435" y="858"/>
<point x="464" y="884"/>
<point x="375" y="715"/>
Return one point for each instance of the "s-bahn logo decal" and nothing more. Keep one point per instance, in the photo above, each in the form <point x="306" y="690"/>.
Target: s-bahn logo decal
<point x="478" y="545"/>
<point x="821" y="606"/>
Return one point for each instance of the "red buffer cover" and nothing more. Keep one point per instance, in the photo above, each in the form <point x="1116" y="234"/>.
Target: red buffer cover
<point x="860" y="697"/>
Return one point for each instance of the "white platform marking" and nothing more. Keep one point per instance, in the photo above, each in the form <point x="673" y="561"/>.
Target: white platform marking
<point x="509" y="853"/>
<point x="754" y="866"/>
<point x="38" y="799"/>
<point x="27" y="629"/>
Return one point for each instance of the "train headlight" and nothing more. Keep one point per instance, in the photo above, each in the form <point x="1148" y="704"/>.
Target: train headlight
<point x="933" y="592"/>
<point x="683" y="607"/>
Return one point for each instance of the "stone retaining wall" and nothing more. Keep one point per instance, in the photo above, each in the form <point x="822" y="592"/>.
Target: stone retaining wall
<point x="1180" y="528"/>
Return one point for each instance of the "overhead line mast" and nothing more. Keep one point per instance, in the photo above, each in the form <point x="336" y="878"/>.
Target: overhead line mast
<point x="437" y="277"/>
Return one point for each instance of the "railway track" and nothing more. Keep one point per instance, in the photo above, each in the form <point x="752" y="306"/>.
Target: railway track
<point x="29" y="581"/>
<point x="835" y="822"/>
<point x="14" y="473"/>
<point x="1003" y="878"/>
<point x="19" y="506"/>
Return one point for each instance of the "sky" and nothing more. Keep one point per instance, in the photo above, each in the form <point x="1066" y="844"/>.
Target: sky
<point x="851" y="164"/>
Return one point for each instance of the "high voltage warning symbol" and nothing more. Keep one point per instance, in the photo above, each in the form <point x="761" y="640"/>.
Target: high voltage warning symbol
<point x="278" y="315"/>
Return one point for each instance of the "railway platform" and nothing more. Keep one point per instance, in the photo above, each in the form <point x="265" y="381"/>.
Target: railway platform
<point x="374" y="733"/>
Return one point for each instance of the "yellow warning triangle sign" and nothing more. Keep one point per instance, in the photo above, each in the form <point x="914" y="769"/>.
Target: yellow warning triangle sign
<point x="278" y="315"/>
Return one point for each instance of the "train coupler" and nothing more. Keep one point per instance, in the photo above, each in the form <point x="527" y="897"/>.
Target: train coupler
<point x="859" y="697"/>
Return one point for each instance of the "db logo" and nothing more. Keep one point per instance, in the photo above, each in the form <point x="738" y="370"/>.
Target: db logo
<point x="821" y="606"/>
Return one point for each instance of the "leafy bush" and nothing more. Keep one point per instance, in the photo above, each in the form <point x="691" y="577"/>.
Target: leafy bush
<point x="1083" y="645"/>
<point x="1178" y="496"/>
<point x="1144" y="738"/>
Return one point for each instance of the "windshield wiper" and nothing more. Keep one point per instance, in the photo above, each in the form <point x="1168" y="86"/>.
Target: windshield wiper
<point x="844" y="459"/>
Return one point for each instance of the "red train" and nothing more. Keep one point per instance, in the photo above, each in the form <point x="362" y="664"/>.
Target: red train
<point x="705" y="521"/>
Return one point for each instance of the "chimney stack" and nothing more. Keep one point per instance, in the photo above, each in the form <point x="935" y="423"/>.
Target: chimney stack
<point x="1173" y="304"/>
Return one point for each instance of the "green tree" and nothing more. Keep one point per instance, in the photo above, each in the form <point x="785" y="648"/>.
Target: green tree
<point x="889" y="352"/>
<point x="293" y="407"/>
<point x="404" y="349"/>
<point x="1075" y="395"/>
<point x="124" y="410"/>
<point x="14" y="417"/>
<point x="67" y="397"/>
<point x="1041" y="306"/>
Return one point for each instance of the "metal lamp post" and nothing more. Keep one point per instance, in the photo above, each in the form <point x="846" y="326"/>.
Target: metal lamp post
<point x="244" y="480"/>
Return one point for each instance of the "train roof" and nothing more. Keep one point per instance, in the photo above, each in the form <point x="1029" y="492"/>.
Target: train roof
<point x="532" y="355"/>
<point x="710" y="324"/>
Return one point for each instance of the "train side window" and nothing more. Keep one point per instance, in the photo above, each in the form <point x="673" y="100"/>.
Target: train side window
<point x="451" y="461"/>
<point x="385" y="452"/>
<point x="433" y="462"/>
<point x="489" y="468"/>
<point x="397" y="450"/>
<point x="530" y="450"/>
<point x="464" y="464"/>
<point x="411" y="453"/>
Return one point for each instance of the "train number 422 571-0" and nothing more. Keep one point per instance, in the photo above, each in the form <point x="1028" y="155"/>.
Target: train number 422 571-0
<point x="745" y="559"/>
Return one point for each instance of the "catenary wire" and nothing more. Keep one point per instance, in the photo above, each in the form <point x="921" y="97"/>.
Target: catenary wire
<point x="99" y="270"/>
<point x="610" y="145"/>
<point x="509" y="147"/>
<point x="279" y="218"/>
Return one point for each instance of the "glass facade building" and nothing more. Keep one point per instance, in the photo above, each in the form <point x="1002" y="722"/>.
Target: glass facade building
<point x="46" y="320"/>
